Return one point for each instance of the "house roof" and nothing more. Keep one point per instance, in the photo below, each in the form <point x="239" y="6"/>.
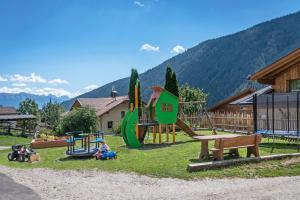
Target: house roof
<point x="102" y="105"/>
<point x="7" y="110"/>
<point x="249" y="98"/>
<point x="16" y="117"/>
<point x="231" y="99"/>
<point x="270" y="72"/>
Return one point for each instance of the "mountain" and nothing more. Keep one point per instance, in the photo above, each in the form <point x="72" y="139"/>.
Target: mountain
<point x="220" y="66"/>
<point x="8" y="99"/>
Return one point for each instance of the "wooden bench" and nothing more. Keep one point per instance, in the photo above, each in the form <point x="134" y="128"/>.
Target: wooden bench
<point x="250" y="142"/>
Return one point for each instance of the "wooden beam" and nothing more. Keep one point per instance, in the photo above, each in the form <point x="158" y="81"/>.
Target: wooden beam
<point x="167" y="133"/>
<point x="224" y="163"/>
<point x="159" y="134"/>
<point x="173" y="133"/>
<point x="154" y="134"/>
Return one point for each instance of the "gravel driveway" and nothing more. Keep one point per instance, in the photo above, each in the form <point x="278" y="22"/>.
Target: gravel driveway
<point x="50" y="184"/>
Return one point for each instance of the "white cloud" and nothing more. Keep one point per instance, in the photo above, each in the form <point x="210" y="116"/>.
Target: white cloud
<point x="2" y="79"/>
<point x="40" y="91"/>
<point x="178" y="49"/>
<point x="27" y="79"/>
<point x="91" y="87"/>
<point x="148" y="47"/>
<point x="138" y="3"/>
<point x="19" y="84"/>
<point x="58" y="81"/>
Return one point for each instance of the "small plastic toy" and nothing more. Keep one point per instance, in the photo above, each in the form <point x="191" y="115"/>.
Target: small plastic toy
<point x="106" y="155"/>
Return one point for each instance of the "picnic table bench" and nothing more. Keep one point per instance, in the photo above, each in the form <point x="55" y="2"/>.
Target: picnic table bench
<point x="250" y="142"/>
<point x="204" y="139"/>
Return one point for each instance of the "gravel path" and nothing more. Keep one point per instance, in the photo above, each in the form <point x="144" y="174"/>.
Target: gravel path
<point x="50" y="184"/>
<point x="4" y="148"/>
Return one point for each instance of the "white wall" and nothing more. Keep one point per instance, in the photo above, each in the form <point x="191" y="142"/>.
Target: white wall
<point x="113" y="115"/>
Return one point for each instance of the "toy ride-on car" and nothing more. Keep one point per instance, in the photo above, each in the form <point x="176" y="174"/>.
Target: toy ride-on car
<point x="20" y="152"/>
<point x="106" y="155"/>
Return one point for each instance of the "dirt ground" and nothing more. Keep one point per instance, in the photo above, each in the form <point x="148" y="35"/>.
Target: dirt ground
<point x="50" y="184"/>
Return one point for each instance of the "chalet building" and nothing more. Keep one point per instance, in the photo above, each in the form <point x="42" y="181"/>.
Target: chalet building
<point x="110" y="110"/>
<point x="279" y="111"/>
<point x="283" y="75"/>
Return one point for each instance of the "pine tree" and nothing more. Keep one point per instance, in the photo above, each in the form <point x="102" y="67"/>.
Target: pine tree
<point x="175" y="88"/>
<point x="171" y="83"/>
<point x="133" y="79"/>
<point x="168" y="81"/>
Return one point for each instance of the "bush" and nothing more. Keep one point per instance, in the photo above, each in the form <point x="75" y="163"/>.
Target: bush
<point x="117" y="129"/>
<point x="80" y="119"/>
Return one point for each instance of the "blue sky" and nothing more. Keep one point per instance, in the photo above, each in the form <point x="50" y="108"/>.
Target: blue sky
<point x="67" y="47"/>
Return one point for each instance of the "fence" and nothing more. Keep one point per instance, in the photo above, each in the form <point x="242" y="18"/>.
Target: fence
<point x="226" y="121"/>
<point x="233" y="121"/>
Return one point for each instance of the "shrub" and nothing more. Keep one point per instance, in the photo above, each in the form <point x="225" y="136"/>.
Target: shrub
<point x="80" y="119"/>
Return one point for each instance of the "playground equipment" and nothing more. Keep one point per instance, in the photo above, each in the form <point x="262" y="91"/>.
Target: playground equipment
<point x="194" y="113"/>
<point x="160" y="113"/>
<point x="89" y="143"/>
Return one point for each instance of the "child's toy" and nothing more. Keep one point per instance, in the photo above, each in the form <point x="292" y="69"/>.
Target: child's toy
<point x="86" y="140"/>
<point x="161" y="112"/>
<point x="106" y="155"/>
<point x="21" y="153"/>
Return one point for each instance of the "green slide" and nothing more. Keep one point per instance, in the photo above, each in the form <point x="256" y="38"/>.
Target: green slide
<point x="128" y="129"/>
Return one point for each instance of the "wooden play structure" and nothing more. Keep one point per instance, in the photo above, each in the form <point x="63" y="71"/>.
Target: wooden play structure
<point x="158" y="116"/>
<point x="233" y="144"/>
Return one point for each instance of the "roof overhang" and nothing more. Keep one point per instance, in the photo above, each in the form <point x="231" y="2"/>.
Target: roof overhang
<point x="268" y="74"/>
<point x="231" y="99"/>
<point x="16" y="117"/>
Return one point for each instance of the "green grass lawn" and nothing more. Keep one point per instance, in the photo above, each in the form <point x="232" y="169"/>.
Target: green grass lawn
<point x="161" y="160"/>
<point x="11" y="140"/>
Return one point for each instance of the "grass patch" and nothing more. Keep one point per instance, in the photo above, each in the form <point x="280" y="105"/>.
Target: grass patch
<point x="6" y="140"/>
<point x="166" y="160"/>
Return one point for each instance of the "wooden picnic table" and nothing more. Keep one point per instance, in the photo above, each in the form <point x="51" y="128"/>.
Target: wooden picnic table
<point x="204" y="139"/>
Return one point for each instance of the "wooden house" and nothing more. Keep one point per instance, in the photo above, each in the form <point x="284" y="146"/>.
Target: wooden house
<point x="279" y="111"/>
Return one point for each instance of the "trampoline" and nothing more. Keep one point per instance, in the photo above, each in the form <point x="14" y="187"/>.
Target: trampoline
<point x="88" y="143"/>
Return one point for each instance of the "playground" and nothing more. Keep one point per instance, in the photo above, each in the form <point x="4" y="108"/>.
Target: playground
<point x="164" y="160"/>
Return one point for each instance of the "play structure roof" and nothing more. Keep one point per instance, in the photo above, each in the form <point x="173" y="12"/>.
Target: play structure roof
<point x="268" y="74"/>
<point x="102" y="105"/>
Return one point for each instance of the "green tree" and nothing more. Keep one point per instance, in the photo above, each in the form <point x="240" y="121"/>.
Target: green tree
<point x="29" y="107"/>
<point x="79" y="119"/>
<point x="171" y="83"/>
<point x="131" y="93"/>
<point x="175" y="88"/>
<point x="168" y="81"/>
<point x="51" y="113"/>
<point x="193" y="97"/>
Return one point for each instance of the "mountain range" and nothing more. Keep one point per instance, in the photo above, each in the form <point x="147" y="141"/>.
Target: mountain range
<point x="8" y="99"/>
<point x="220" y="66"/>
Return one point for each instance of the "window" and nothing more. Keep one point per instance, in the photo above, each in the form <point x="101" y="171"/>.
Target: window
<point x="110" y="124"/>
<point x="166" y="107"/>
<point x="294" y="85"/>
<point x="122" y="114"/>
